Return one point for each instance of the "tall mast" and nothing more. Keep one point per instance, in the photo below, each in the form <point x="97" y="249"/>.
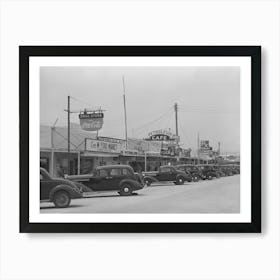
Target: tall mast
<point x="176" y="118"/>
<point x="125" y="119"/>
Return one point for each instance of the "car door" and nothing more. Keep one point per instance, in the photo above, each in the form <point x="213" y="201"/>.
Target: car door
<point x="165" y="174"/>
<point x="116" y="176"/>
<point x="100" y="180"/>
<point x="128" y="173"/>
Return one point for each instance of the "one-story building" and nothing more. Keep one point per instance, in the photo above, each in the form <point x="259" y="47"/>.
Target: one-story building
<point x="87" y="151"/>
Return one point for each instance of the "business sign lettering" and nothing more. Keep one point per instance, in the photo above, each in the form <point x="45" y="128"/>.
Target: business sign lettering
<point x="143" y="146"/>
<point x="94" y="145"/>
<point x="111" y="140"/>
<point x="91" y="121"/>
<point x="162" y="135"/>
<point x="205" y="146"/>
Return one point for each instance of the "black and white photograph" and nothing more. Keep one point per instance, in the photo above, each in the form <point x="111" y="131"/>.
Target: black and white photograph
<point x="142" y="138"/>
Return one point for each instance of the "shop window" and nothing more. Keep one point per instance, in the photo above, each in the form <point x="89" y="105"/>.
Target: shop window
<point x="86" y="166"/>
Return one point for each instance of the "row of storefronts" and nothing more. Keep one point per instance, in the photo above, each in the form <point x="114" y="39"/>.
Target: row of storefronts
<point x="87" y="151"/>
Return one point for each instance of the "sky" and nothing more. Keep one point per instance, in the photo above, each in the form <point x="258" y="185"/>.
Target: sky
<point x="208" y="100"/>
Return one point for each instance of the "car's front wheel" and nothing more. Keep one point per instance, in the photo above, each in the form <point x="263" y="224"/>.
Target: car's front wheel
<point x="61" y="199"/>
<point x="147" y="182"/>
<point x="180" y="180"/>
<point x="125" y="189"/>
<point x="195" y="179"/>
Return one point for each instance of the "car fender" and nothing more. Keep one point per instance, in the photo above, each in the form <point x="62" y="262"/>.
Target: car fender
<point x="133" y="183"/>
<point x="65" y="188"/>
<point x="152" y="179"/>
<point x="182" y="175"/>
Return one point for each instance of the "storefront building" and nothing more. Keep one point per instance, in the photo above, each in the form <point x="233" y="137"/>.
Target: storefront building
<point x="89" y="151"/>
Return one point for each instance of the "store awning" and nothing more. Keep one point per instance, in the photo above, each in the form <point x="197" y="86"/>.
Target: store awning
<point x="91" y="154"/>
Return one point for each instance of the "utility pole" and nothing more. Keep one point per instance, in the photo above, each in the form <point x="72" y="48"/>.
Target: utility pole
<point x="68" y="138"/>
<point x="52" y="146"/>
<point x="176" y="118"/>
<point x="198" y="155"/>
<point x="125" y="120"/>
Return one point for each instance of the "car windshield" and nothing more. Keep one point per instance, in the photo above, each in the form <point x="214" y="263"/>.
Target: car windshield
<point x="44" y="174"/>
<point x="166" y="169"/>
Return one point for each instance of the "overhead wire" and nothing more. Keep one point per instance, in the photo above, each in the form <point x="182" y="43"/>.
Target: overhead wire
<point x="80" y="101"/>
<point x="140" y="130"/>
<point x="154" y="120"/>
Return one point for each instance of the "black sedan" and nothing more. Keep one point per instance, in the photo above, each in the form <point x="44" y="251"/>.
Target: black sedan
<point x="119" y="178"/>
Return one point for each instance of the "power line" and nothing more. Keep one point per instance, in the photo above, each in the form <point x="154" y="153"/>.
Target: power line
<point x="81" y="101"/>
<point x="140" y="131"/>
<point x="153" y="121"/>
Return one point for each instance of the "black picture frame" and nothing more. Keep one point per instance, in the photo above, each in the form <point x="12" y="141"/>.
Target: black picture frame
<point x="25" y="52"/>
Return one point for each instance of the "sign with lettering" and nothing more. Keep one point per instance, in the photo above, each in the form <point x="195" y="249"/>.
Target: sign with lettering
<point x="143" y="146"/>
<point x="162" y="135"/>
<point x="111" y="140"/>
<point x="129" y="153"/>
<point x="91" y="121"/>
<point x="205" y="146"/>
<point x="94" y="145"/>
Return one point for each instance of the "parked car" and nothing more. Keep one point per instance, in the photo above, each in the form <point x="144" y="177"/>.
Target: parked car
<point x="58" y="190"/>
<point x="166" y="173"/>
<point x="191" y="172"/>
<point x="209" y="172"/>
<point x="227" y="171"/>
<point x="119" y="178"/>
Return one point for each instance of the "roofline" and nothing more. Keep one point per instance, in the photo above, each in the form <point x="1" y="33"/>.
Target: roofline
<point x="113" y="166"/>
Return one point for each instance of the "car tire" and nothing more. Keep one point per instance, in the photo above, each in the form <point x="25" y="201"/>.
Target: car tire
<point x="61" y="199"/>
<point x="180" y="180"/>
<point x="209" y="177"/>
<point x="195" y="179"/>
<point x="147" y="182"/>
<point x="125" y="189"/>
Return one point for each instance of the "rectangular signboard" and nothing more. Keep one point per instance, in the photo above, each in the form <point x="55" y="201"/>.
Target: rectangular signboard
<point x="143" y="146"/>
<point x="101" y="146"/>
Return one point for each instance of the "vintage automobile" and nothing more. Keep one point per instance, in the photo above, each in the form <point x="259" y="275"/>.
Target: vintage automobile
<point x="190" y="171"/>
<point x="210" y="173"/>
<point x="119" y="178"/>
<point x="227" y="170"/>
<point x="58" y="190"/>
<point x="166" y="173"/>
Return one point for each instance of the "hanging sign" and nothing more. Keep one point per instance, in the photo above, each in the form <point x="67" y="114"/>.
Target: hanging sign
<point x="161" y="135"/>
<point x="205" y="146"/>
<point x="92" y="121"/>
